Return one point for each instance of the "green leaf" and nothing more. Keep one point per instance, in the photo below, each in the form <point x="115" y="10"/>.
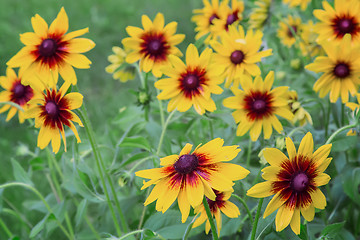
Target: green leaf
<point x="39" y="226"/>
<point x="135" y="157"/>
<point x="344" y="143"/>
<point x="303" y="232"/>
<point x="20" y="174"/>
<point x="332" y="229"/>
<point x="81" y="209"/>
<point x="136" y="142"/>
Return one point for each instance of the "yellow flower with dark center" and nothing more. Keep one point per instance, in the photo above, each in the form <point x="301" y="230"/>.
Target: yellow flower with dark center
<point x="52" y="110"/>
<point x="15" y="92"/>
<point x="239" y="53"/>
<point x="119" y="68"/>
<point x="50" y="51"/>
<point x="294" y="3"/>
<point x="187" y="177"/>
<point x="341" y="68"/>
<point x="308" y="45"/>
<point x="260" y="14"/>
<point x="204" y="18"/>
<point x="336" y="22"/>
<point x="287" y="28"/>
<point x="295" y="181"/>
<point x="300" y="114"/>
<point x="191" y="84"/>
<point x="257" y="105"/>
<point x="153" y="44"/>
<point x="230" y="17"/>
<point x="220" y="204"/>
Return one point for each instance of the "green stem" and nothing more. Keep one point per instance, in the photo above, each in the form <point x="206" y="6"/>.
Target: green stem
<point x="297" y="129"/>
<point x="211" y="220"/>
<point x="163" y="132"/>
<point x="129" y="234"/>
<point x="248" y="153"/>
<point x="245" y="205"/>
<point x="98" y="159"/>
<point x="12" y="104"/>
<point x="211" y="129"/>
<point x="188" y="229"/>
<point x="17" y="212"/>
<point x="162" y="118"/>
<point x="5" y="228"/>
<point x="342" y="114"/>
<point x="257" y="216"/>
<point x="327" y="118"/>
<point x="139" y="162"/>
<point x="143" y="211"/>
<point x="339" y="131"/>
<point x="37" y="193"/>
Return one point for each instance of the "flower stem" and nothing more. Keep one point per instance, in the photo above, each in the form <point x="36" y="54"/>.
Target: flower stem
<point x="162" y="118"/>
<point x="253" y="232"/>
<point x="211" y="220"/>
<point x="37" y="193"/>
<point x="211" y="129"/>
<point x="339" y="131"/>
<point x="99" y="164"/>
<point x="5" y="228"/>
<point x="327" y="118"/>
<point x="129" y="234"/>
<point x="248" y="153"/>
<point x="163" y="132"/>
<point x="245" y="205"/>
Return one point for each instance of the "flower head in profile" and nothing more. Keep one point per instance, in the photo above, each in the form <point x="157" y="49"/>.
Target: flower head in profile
<point x="238" y="53"/>
<point x="354" y="106"/>
<point x="257" y="106"/>
<point x="308" y="44"/>
<point x="220" y="204"/>
<point x="230" y="17"/>
<point x="294" y="3"/>
<point x="204" y="18"/>
<point x="52" y="110"/>
<point x="300" y="114"/>
<point x="287" y="28"/>
<point x="295" y="181"/>
<point x="119" y="68"/>
<point x="153" y="44"/>
<point x="260" y="14"/>
<point x="341" y="69"/>
<point x="191" y="84"/>
<point x="15" y="92"/>
<point x="336" y="22"/>
<point x="50" y="50"/>
<point x="189" y="176"/>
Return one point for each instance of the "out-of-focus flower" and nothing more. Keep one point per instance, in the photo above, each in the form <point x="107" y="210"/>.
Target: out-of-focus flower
<point x="295" y="181"/>
<point x="231" y="17"/>
<point x="220" y="204"/>
<point x="341" y="68"/>
<point x="353" y="106"/>
<point x="153" y="44"/>
<point x="15" y="92"/>
<point x="336" y="22"/>
<point x="295" y="63"/>
<point x="308" y="44"/>
<point x="187" y="177"/>
<point x="204" y="18"/>
<point x="351" y="132"/>
<point x="302" y="3"/>
<point x="191" y="84"/>
<point x="257" y="105"/>
<point x="260" y="14"/>
<point x="50" y="51"/>
<point x="287" y="28"/>
<point x="300" y="114"/>
<point x="238" y="53"/>
<point x="119" y="68"/>
<point x="52" y="110"/>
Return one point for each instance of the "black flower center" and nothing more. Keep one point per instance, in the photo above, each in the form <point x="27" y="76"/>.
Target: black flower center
<point x="345" y="26"/>
<point x="259" y="105"/>
<point x="341" y="70"/>
<point x="154" y="46"/>
<point x="211" y="19"/>
<point x="51" y="109"/>
<point x="191" y="82"/>
<point x="47" y="48"/>
<point x="237" y="57"/>
<point x="186" y="164"/>
<point x="290" y="33"/>
<point x="231" y="19"/>
<point x="300" y="182"/>
<point x="19" y="90"/>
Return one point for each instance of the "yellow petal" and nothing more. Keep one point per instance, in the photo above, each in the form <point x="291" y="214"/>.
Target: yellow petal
<point x="75" y="34"/>
<point x="308" y="213"/>
<point x="290" y="148"/>
<point x="78" y="60"/>
<point x="184" y="205"/>
<point x="40" y="26"/>
<point x="230" y="209"/>
<point x="169" y="160"/>
<point x="192" y="55"/>
<point x="232" y="171"/>
<point x="261" y="190"/>
<point x="274" y="156"/>
<point x="67" y="73"/>
<point x="318" y="199"/>
<point x="74" y="100"/>
<point x="321" y="179"/>
<point x="61" y="23"/>
<point x="283" y="217"/>
<point x="295" y="222"/>
<point x="275" y="203"/>
<point x="194" y="190"/>
<point x="80" y="45"/>
<point x="306" y="147"/>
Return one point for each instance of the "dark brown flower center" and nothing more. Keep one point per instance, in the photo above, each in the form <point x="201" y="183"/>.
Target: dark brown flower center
<point x="345" y="26"/>
<point x="211" y="19"/>
<point x="341" y="70"/>
<point x="290" y="33"/>
<point x="231" y="19"/>
<point x="154" y="46"/>
<point x="237" y="57"/>
<point x="21" y="94"/>
<point x="259" y="105"/>
<point x="51" y="109"/>
<point x="19" y="90"/>
<point x="191" y="82"/>
<point x="300" y="182"/>
<point x="186" y="164"/>
<point x="47" y="48"/>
